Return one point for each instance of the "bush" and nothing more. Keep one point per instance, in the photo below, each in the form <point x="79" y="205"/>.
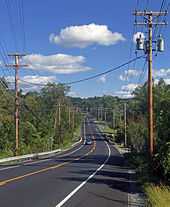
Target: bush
<point x="163" y="160"/>
<point x="137" y="134"/>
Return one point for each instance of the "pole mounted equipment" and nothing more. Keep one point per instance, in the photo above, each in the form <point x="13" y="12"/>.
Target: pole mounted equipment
<point x="149" y="17"/>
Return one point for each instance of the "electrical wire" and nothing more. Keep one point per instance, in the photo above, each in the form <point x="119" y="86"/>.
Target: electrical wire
<point x="22" y="22"/>
<point x="91" y="77"/>
<point x="142" y="72"/>
<point x="157" y="19"/>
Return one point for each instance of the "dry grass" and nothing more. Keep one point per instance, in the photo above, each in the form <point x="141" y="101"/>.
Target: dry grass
<point x="158" y="196"/>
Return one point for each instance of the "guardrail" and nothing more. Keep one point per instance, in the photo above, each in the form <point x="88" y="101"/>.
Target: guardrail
<point x="29" y="156"/>
<point x="35" y="155"/>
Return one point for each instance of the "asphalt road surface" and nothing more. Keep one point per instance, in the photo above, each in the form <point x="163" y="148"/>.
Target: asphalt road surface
<point x="85" y="176"/>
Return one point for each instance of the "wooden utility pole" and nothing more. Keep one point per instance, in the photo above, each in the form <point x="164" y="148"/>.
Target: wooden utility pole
<point x="101" y="113"/>
<point x="113" y="119"/>
<point x="59" y="121"/>
<point x="69" y="117"/>
<point x="125" y="124"/>
<point x="73" y="119"/>
<point x="59" y="114"/>
<point x="16" y="66"/>
<point x="98" y="114"/>
<point x="55" y="122"/>
<point x="149" y="23"/>
<point x="105" y="115"/>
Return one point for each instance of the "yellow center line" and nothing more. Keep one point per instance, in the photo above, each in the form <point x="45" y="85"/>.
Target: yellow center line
<point x="4" y="182"/>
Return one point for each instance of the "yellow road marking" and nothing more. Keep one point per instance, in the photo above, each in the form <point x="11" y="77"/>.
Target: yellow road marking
<point x="4" y="182"/>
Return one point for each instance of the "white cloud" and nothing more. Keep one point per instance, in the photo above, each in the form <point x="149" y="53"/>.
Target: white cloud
<point x="137" y="35"/>
<point x="126" y="91"/>
<point x="102" y="79"/>
<point x="58" y="63"/>
<point x="73" y="94"/>
<point x="85" y="35"/>
<point x="123" y="94"/>
<point x="129" y="87"/>
<point x="129" y="74"/>
<point x="27" y="82"/>
<point x="167" y="81"/>
<point x="36" y="79"/>
<point x="162" y="73"/>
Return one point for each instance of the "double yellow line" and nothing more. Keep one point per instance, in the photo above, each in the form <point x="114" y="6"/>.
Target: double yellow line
<point x="4" y="182"/>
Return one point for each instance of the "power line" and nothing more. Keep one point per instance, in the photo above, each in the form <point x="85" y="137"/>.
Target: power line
<point x="156" y="30"/>
<point x="22" y="22"/>
<point x="12" y="24"/>
<point x="142" y="72"/>
<point x="104" y="73"/>
<point x="90" y="77"/>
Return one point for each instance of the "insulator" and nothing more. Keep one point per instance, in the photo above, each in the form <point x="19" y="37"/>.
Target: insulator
<point x="140" y="43"/>
<point x="160" y="44"/>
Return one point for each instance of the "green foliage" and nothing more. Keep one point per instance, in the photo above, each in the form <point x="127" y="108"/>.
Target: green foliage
<point x="137" y="135"/>
<point x="39" y="129"/>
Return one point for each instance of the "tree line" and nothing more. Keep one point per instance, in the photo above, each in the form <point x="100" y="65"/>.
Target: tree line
<point x="48" y="119"/>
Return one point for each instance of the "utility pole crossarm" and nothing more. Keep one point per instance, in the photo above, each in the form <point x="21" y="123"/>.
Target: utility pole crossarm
<point x="150" y="13"/>
<point x="153" y="23"/>
<point x="15" y="65"/>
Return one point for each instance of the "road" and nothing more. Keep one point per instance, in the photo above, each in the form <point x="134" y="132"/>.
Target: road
<point x="86" y="176"/>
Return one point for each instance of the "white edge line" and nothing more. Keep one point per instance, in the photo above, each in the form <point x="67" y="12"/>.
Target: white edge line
<point x="129" y="171"/>
<point x="6" y="168"/>
<point x="64" y="155"/>
<point x="84" y="182"/>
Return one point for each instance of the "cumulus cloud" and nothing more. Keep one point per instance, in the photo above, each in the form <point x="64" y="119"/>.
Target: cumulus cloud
<point x="167" y="81"/>
<point x="129" y="74"/>
<point x="123" y="94"/>
<point x="85" y="35"/>
<point x="73" y="94"/>
<point x="162" y="73"/>
<point x="36" y="79"/>
<point x="129" y="87"/>
<point x="126" y="91"/>
<point x="137" y="35"/>
<point x="27" y="82"/>
<point x="102" y="79"/>
<point x="57" y="63"/>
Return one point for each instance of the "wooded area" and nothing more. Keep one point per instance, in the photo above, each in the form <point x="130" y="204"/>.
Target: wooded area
<point x="48" y="120"/>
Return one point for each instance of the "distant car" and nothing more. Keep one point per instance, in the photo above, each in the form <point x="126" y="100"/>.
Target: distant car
<point x="88" y="140"/>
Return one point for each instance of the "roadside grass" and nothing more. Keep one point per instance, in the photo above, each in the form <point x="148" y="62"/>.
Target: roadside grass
<point x="158" y="196"/>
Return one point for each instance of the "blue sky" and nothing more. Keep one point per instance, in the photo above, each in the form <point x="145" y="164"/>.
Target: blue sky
<point x="109" y="46"/>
